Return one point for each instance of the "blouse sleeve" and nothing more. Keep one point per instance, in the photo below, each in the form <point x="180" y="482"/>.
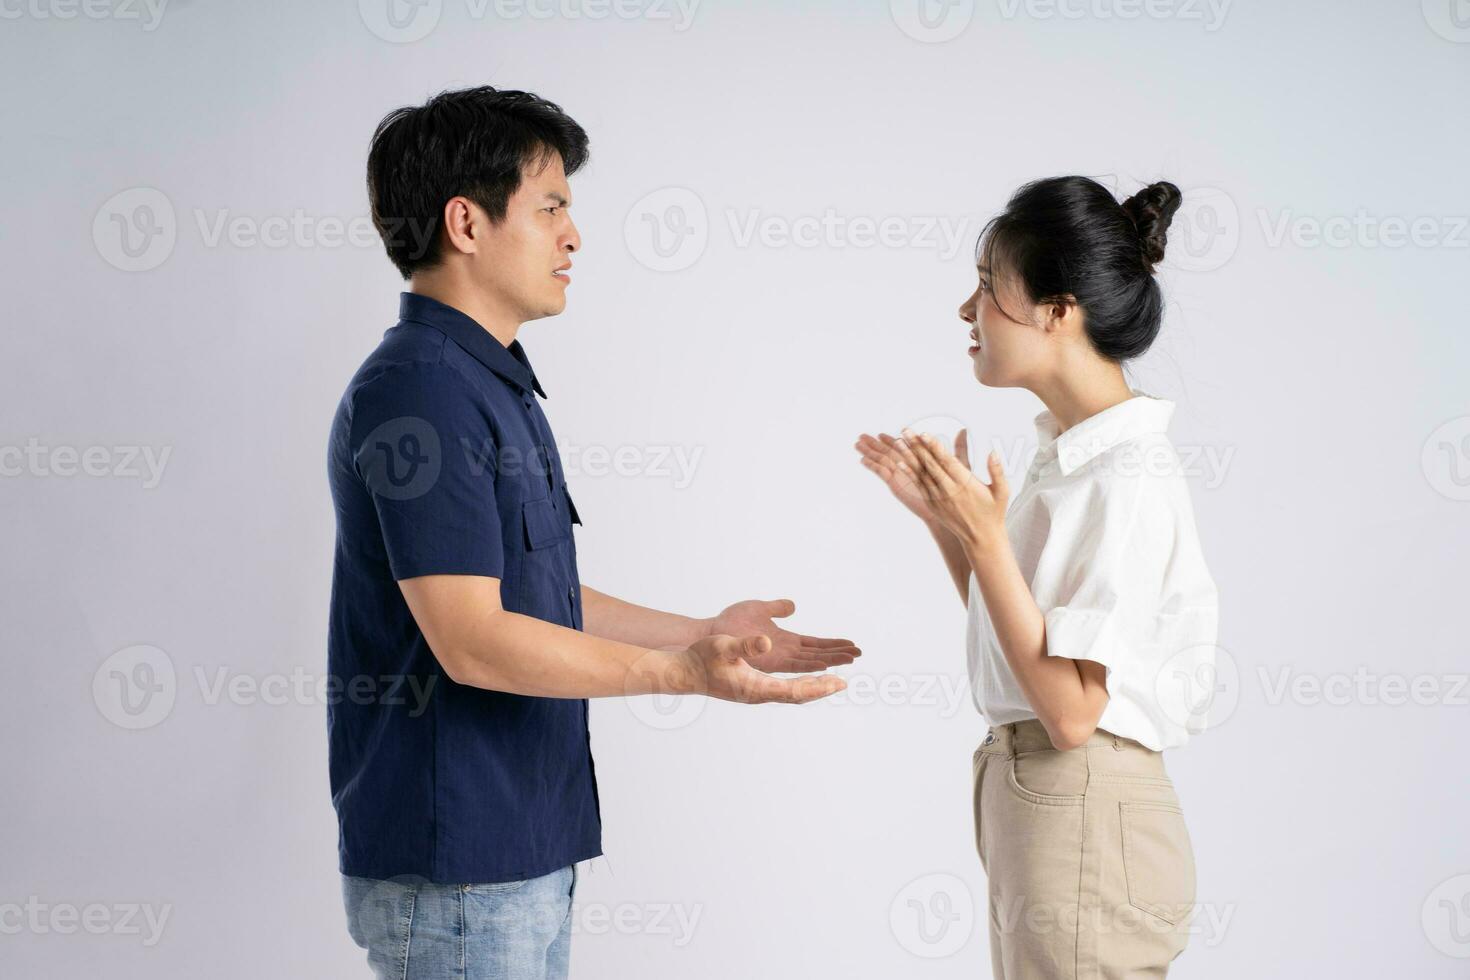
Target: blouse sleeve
<point x="1121" y="575"/>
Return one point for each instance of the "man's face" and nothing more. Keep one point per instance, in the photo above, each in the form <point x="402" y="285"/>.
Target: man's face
<point x="527" y="253"/>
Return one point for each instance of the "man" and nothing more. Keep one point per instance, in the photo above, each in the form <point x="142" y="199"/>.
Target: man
<point x="463" y="645"/>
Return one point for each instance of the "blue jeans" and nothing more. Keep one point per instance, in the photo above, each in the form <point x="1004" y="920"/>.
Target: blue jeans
<point x="416" y="930"/>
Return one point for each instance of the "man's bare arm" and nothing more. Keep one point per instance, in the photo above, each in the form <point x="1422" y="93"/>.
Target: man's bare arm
<point x="618" y="619"/>
<point x="480" y="644"/>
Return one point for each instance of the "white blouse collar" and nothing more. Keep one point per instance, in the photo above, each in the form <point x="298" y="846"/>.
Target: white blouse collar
<point x="1098" y="433"/>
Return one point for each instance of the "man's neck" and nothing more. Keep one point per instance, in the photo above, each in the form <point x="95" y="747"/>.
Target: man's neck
<point x="439" y="285"/>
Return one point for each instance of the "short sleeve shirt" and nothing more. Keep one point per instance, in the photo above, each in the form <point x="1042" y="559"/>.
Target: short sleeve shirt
<point x="1103" y="530"/>
<point x="441" y="462"/>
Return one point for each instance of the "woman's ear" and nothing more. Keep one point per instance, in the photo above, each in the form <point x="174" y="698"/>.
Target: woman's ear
<point x="1061" y="314"/>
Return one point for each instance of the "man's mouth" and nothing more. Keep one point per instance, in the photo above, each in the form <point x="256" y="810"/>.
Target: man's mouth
<point x="561" y="274"/>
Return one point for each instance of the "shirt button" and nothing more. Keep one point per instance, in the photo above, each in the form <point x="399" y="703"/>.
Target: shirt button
<point x="989" y="738"/>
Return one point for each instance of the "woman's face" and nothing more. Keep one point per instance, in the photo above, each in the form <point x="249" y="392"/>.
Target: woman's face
<point x="1006" y="353"/>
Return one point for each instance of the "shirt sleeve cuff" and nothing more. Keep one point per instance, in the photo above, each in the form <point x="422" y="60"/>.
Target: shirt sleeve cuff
<point x="406" y="568"/>
<point x="1082" y="634"/>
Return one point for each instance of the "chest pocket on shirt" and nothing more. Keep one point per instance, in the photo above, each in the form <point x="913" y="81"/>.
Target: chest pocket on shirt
<point x="571" y="507"/>
<point x="544" y="524"/>
<point x="547" y="589"/>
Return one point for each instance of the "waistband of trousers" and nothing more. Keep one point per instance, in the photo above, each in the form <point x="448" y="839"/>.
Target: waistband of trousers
<point x="1030" y="736"/>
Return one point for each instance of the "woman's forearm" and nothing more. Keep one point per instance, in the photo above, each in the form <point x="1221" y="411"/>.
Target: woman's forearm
<point x="1054" y="686"/>
<point x="955" y="559"/>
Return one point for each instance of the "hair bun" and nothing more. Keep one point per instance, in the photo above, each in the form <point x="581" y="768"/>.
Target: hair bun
<point x="1151" y="210"/>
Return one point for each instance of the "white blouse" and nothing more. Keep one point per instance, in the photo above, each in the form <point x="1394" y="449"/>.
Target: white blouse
<point x="1103" y="530"/>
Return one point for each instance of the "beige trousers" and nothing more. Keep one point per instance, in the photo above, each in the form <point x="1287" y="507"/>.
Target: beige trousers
<point x="1090" y="868"/>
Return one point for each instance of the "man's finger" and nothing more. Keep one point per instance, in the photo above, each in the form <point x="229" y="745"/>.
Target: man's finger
<point x="746" y="647"/>
<point x="794" y="665"/>
<point x="825" y="643"/>
<point x="796" y="690"/>
<point x="808" y="689"/>
<point x="780" y="608"/>
<point x="830" y="658"/>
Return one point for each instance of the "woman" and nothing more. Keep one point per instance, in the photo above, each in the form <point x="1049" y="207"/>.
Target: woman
<point x="1090" y="604"/>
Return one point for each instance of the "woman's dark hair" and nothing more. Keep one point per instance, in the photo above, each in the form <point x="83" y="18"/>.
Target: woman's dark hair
<point x="474" y="142"/>
<point x="1069" y="237"/>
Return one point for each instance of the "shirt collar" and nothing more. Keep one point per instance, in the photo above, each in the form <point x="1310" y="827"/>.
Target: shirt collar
<point x="1098" y="433"/>
<point x="509" y="363"/>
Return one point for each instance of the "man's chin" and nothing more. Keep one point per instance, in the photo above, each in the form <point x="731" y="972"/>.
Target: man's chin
<point x="550" y="308"/>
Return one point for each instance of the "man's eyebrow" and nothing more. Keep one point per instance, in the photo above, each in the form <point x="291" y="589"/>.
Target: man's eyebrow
<point x="561" y="202"/>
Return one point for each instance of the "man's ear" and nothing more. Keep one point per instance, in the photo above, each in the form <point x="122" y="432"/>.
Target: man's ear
<point x="460" y="224"/>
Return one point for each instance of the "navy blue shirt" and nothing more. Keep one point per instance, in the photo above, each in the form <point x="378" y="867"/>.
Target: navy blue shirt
<point x="441" y="462"/>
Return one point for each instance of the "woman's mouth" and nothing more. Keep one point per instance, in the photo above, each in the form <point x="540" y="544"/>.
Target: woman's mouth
<point x="975" y="345"/>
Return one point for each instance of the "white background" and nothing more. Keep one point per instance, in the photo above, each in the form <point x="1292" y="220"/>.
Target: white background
<point x="1323" y="374"/>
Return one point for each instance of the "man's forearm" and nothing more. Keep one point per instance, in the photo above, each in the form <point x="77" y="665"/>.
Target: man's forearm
<point x="616" y="619"/>
<point x="480" y="644"/>
<point x="506" y="651"/>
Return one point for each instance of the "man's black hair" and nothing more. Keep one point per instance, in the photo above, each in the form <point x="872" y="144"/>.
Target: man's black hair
<point x="474" y="142"/>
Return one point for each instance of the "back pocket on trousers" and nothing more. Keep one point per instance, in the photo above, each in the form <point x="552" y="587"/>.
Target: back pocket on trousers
<point x="1158" y="860"/>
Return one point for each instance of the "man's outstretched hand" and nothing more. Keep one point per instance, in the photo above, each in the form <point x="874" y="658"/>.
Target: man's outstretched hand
<point x="720" y="667"/>
<point x="787" y="652"/>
